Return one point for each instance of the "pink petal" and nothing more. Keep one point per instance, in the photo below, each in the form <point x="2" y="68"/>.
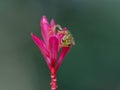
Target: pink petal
<point x="52" y="28"/>
<point x="45" y="28"/>
<point x="63" y="53"/>
<point x="44" y="20"/>
<point x="42" y="48"/>
<point x="53" y="49"/>
<point x="52" y="23"/>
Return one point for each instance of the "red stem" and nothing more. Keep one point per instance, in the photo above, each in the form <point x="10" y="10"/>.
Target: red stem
<point x="53" y="80"/>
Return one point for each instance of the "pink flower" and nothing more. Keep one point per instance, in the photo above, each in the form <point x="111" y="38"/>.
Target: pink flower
<point x="50" y="45"/>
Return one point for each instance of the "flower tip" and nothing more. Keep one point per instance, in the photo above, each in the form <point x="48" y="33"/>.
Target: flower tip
<point x="44" y="19"/>
<point x="44" y="16"/>
<point x="31" y="34"/>
<point x="52" y="23"/>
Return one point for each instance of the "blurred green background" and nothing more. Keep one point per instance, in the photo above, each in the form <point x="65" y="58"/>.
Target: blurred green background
<point x="92" y="64"/>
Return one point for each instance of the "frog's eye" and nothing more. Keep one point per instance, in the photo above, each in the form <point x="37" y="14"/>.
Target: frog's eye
<point x="69" y="45"/>
<point x="63" y="40"/>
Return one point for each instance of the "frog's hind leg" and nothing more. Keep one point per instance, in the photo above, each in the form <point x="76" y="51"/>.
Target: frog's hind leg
<point x="59" y="27"/>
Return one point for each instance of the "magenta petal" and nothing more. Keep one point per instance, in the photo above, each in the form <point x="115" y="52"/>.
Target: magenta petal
<point x="53" y="49"/>
<point x="63" y="53"/>
<point x="42" y="48"/>
<point x="45" y="28"/>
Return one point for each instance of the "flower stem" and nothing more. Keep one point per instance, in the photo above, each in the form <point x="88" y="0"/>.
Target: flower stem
<point x="53" y="80"/>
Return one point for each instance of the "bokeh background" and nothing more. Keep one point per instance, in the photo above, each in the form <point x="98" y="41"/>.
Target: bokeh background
<point x="92" y="64"/>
